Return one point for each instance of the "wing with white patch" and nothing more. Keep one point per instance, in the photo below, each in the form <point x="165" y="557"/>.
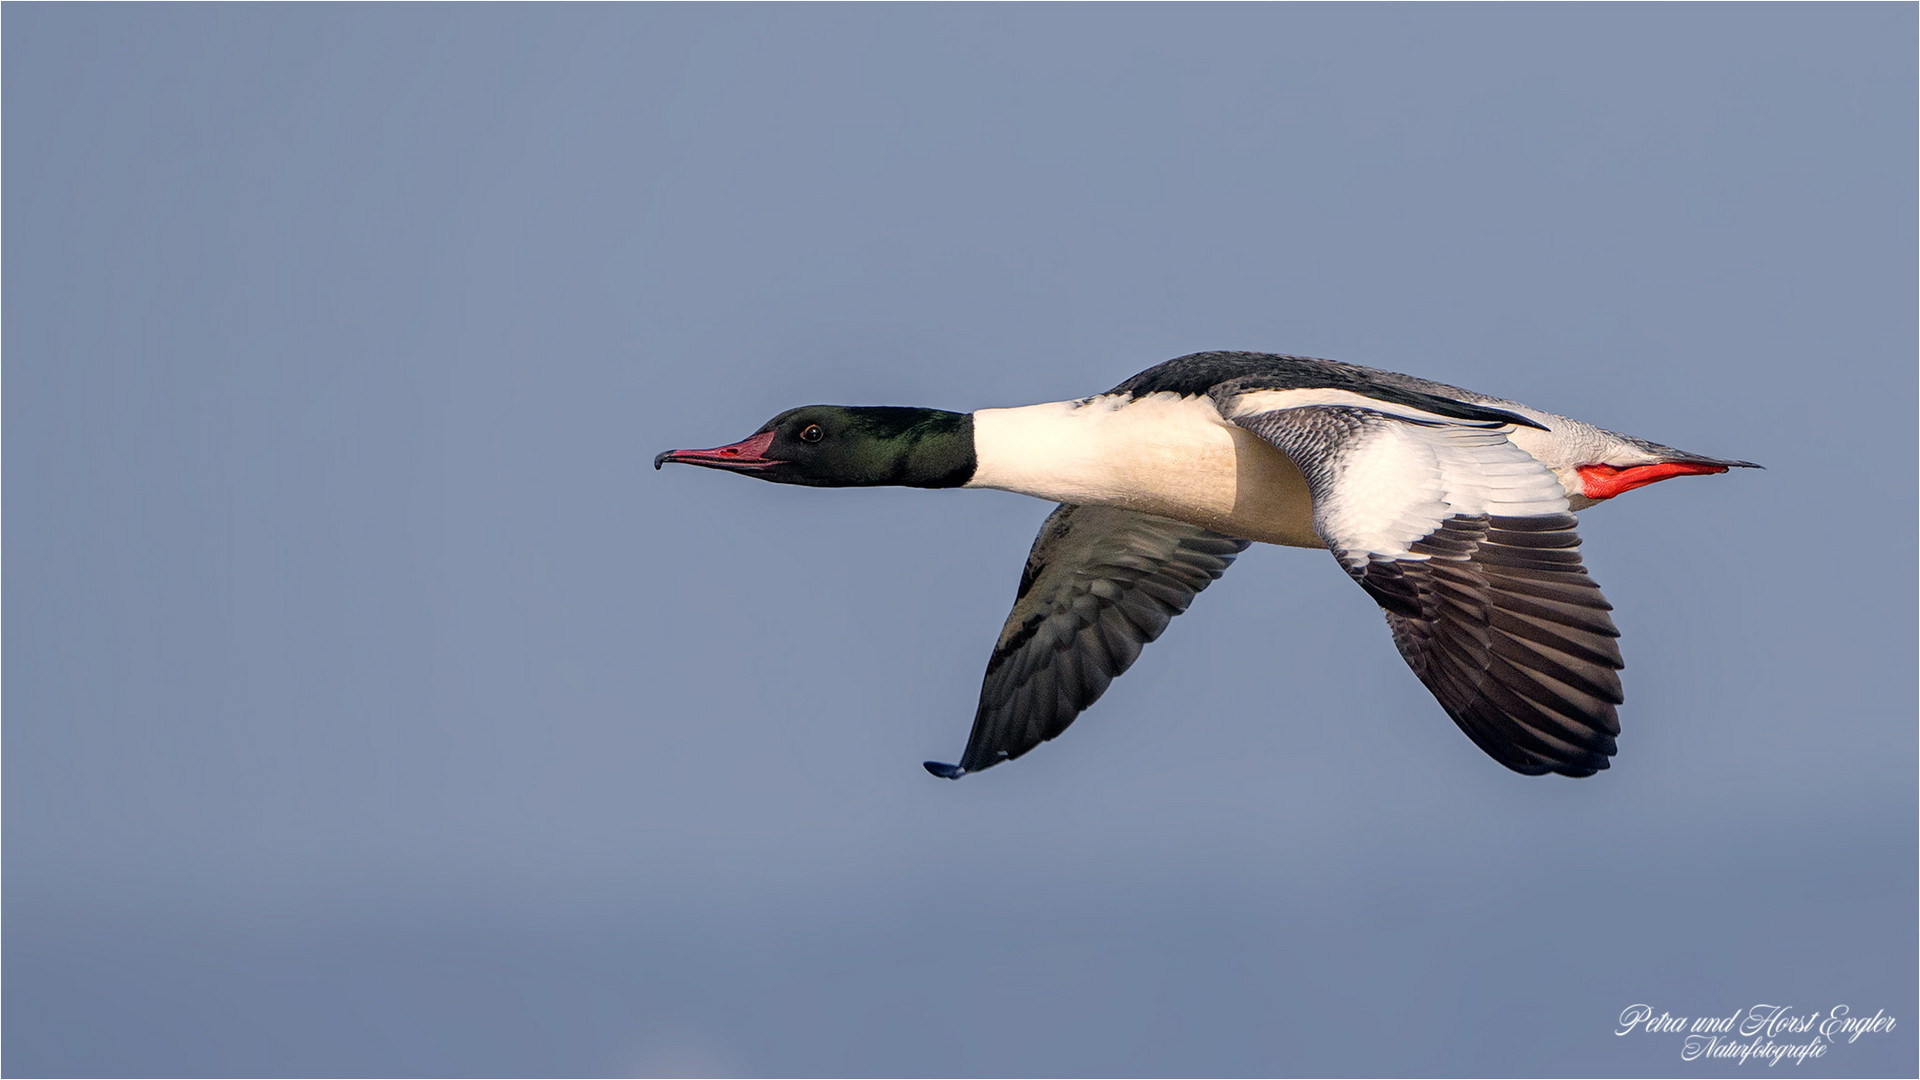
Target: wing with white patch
<point x="1468" y="544"/>
<point x="1099" y="584"/>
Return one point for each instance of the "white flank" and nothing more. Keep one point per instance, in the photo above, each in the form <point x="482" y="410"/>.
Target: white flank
<point x="1160" y="454"/>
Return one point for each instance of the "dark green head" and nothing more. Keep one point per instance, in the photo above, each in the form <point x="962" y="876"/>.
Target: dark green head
<point x="849" y="446"/>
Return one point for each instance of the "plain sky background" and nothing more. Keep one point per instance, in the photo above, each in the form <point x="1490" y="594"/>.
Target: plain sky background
<point x="372" y="707"/>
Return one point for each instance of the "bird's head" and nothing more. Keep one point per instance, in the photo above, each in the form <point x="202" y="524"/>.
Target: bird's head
<point x="848" y="446"/>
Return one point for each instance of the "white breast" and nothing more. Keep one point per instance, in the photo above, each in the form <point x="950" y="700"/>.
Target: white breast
<point x="1160" y="454"/>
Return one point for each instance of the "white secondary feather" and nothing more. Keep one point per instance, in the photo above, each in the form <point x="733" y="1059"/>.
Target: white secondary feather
<point x="1397" y="482"/>
<point x="1386" y="484"/>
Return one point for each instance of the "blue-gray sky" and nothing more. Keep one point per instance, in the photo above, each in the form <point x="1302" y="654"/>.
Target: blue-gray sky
<point x="372" y="707"/>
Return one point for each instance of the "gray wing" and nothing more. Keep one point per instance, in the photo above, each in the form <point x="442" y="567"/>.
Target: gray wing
<point x="1467" y="543"/>
<point x="1099" y="584"/>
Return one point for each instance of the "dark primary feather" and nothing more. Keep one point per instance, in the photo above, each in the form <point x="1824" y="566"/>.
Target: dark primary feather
<point x="1099" y="584"/>
<point x="1504" y="626"/>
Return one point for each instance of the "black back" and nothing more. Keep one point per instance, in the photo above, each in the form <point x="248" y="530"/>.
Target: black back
<point x="1237" y="372"/>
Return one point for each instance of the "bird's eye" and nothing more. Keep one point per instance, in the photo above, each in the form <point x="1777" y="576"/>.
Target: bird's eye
<point x="811" y="433"/>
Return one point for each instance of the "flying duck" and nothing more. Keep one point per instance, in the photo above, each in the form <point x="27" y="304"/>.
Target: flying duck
<point x="1451" y="509"/>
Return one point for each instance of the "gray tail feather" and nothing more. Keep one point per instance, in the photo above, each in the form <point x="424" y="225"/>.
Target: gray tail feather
<point x="1702" y="459"/>
<point x="1668" y="453"/>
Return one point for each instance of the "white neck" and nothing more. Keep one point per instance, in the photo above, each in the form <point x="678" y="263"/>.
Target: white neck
<point x="1160" y="454"/>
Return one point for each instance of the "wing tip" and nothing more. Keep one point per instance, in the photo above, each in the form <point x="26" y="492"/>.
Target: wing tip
<point x="943" y="770"/>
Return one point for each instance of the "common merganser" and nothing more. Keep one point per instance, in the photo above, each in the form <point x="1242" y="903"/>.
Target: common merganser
<point x="1452" y="509"/>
